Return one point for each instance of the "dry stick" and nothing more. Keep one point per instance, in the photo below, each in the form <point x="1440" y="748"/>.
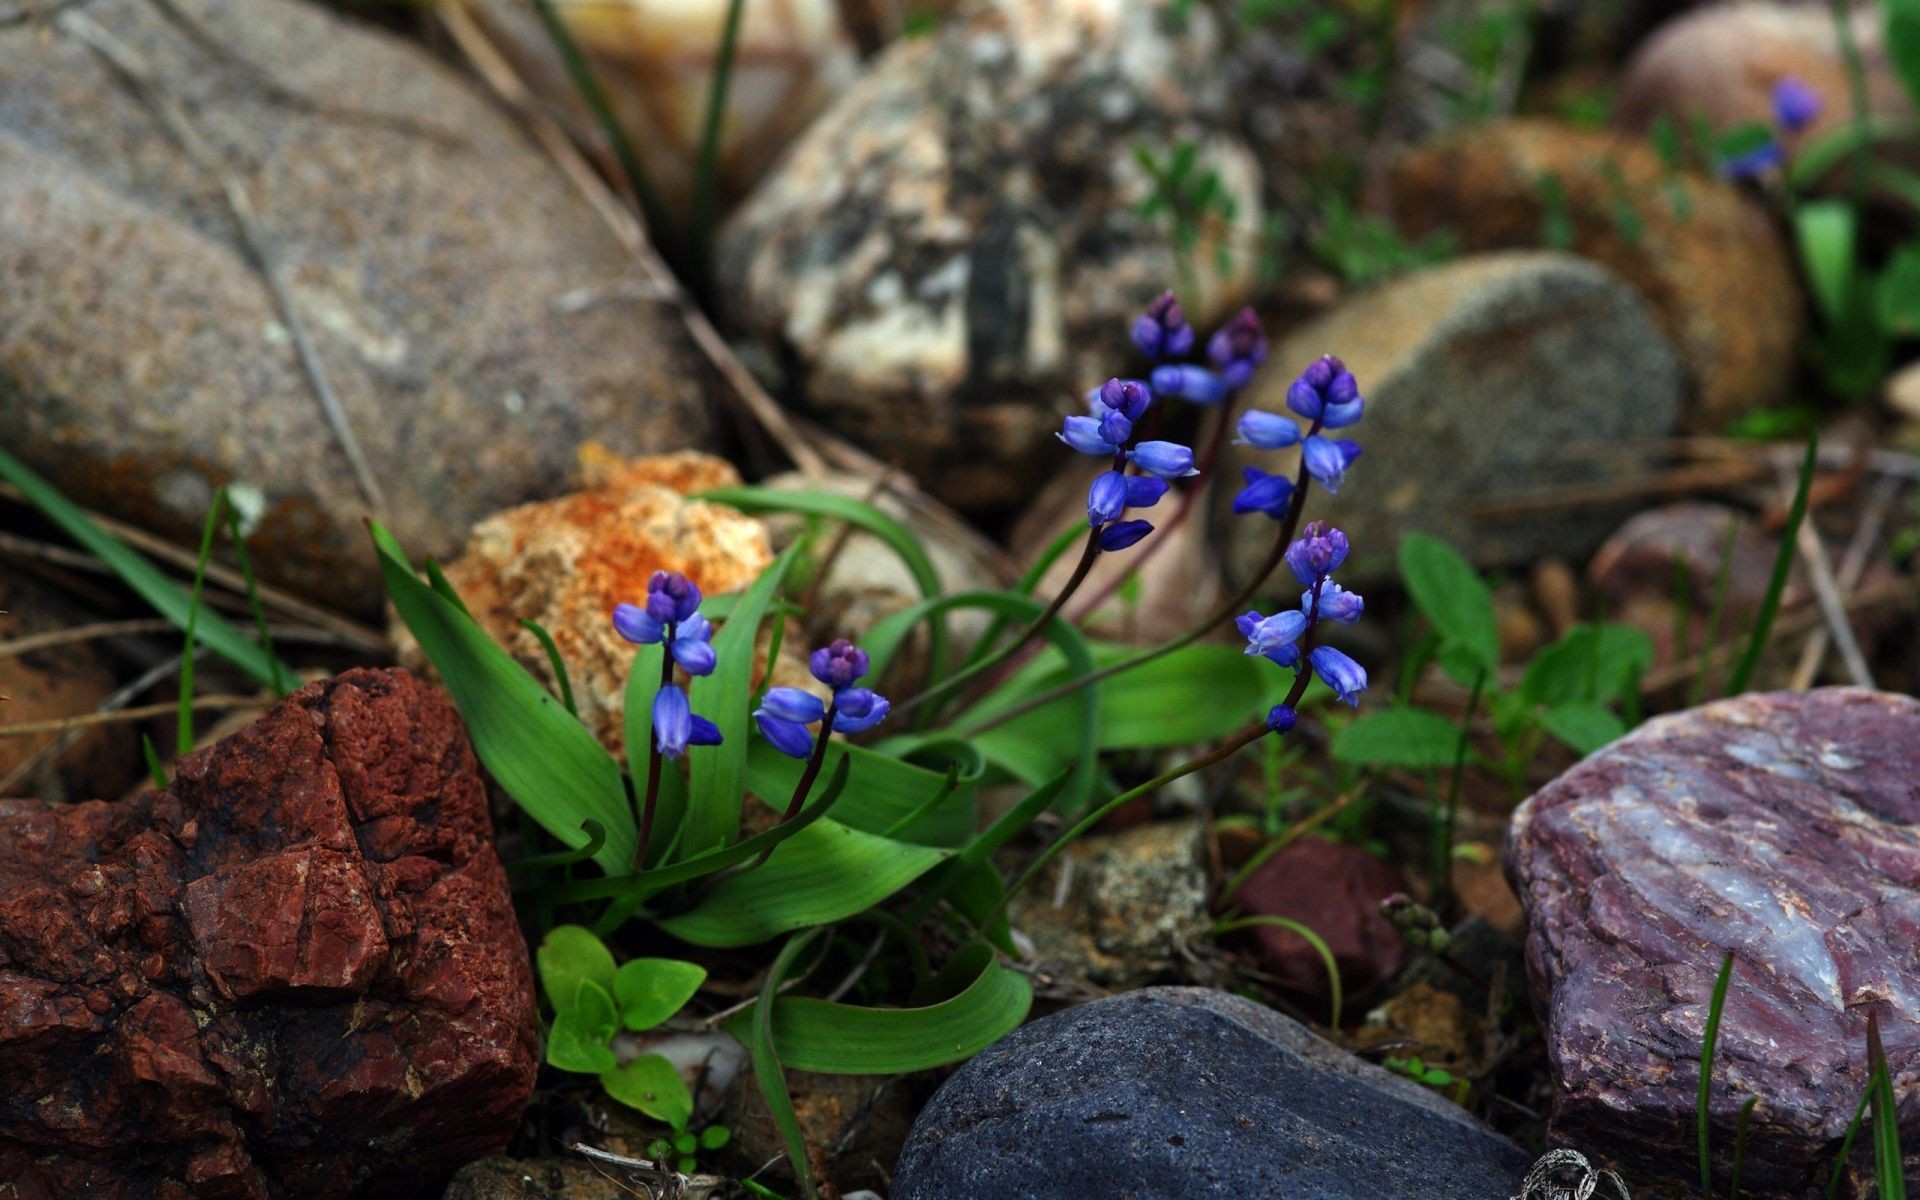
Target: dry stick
<point x="1852" y="566"/>
<point x="1801" y="622"/>
<point x="129" y="65"/>
<point x="1826" y="595"/>
<point x="88" y="720"/>
<point x="117" y="700"/>
<point x="84" y="633"/>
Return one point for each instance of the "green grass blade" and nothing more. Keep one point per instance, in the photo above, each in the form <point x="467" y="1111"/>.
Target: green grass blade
<point x="707" y="166"/>
<point x="596" y="838"/>
<point x="1889" y="1169"/>
<point x="768" y="1072"/>
<point x="155" y="771"/>
<point x="1233" y="924"/>
<point x="166" y="597"/>
<point x="1715" y="612"/>
<point x="1740" y="1146"/>
<point x="717" y="774"/>
<point x="1846" y="1143"/>
<point x="555" y="662"/>
<point x="1706" y="1072"/>
<point x="281" y="686"/>
<point x="183" y="722"/>
<point x="845" y="1039"/>
<point x="1782" y="567"/>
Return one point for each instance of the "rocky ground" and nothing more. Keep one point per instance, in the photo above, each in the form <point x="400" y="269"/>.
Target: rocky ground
<point x="350" y="262"/>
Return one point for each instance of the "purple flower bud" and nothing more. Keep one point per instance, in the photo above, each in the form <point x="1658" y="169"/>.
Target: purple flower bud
<point x="1121" y="534"/>
<point x="1795" y="105"/>
<point x="1343" y="389"/>
<point x="1237" y="348"/>
<point x="792" y="704"/>
<point x="788" y="737"/>
<point x="1195" y="385"/>
<point x="1337" y="604"/>
<point x="1168" y="460"/>
<point x="1281" y="718"/>
<point x="1144" y="491"/>
<point x="1115" y="429"/>
<point x="1318" y="551"/>
<point x="636" y="625"/>
<point x="1264" y="493"/>
<point x="1304" y="398"/>
<point x="679" y="597"/>
<point x="1327" y="460"/>
<point x="857" y="710"/>
<point x="1107" y="498"/>
<point x="1083" y="434"/>
<point x="1269" y="635"/>
<point x="1319" y="374"/>
<point x="1268" y="431"/>
<point x="838" y="663"/>
<point x="672" y="721"/>
<point x="1162" y="331"/>
<point x="1346" y="677"/>
<point x="1129" y="397"/>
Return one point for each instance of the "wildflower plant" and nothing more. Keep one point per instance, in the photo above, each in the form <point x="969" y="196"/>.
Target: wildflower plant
<point x="872" y="828"/>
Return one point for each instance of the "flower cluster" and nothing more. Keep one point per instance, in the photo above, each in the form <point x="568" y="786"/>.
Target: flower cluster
<point x="1795" y="106"/>
<point x="671" y="617"/>
<point x="1289" y="637"/>
<point x="1329" y="398"/>
<point x="785" y="712"/>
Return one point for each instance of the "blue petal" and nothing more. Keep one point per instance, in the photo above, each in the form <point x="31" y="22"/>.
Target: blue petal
<point x="788" y="737"/>
<point x="1346" y="677"/>
<point x="1264" y="493"/>
<point x="1339" y="416"/>
<point x="1083" y="434"/>
<point x="672" y="721"/>
<point x="1169" y="460"/>
<point x="1268" y="431"/>
<point x="694" y="655"/>
<point x="1325" y="462"/>
<point x="1144" y="491"/>
<point x="859" y="717"/>
<point x="1107" y="498"/>
<point x="631" y="622"/>
<point x="704" y="733"/>
<point x="792" y="704"/>
<point x="1121" y="534"/>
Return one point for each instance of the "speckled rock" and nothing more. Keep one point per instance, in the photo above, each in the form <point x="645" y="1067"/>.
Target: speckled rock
<point x="1183" y="1092"/>
<point x="53" y="682"/>
<point x="1719" y="278"/>
<point x="1335" y="890"/>
<point x="952" y="252"/>
<point x="1479" y="376"/>
<point x="565" y="563"/>
<point x="1132" y="902"/>
<point x="462" y="297"/>
<point x="1721" y="61"/>
<point x="295" y="974"/>
<point x="1784" y="827"/>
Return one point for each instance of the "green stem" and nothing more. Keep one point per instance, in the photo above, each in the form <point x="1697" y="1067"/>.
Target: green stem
<point x="1782" y="568"/>
<point x="653" y="764"/>
<point x="707" y="170"/>
<point x="1443" y="849"/>
<point x="1857" y="89"/>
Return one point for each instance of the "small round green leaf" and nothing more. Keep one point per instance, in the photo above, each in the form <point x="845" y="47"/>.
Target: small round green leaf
<point x="651" y="1084"/>
<point x="581" y="1031"/>
<point x="569" y="954"/>
<point x="649" y="990"/>
<point x="715" y="1136"/>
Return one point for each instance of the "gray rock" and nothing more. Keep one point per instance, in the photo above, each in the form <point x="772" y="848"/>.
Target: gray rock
<point x="953" y="252"/>
<point x="1784" y="827"/>
<point x="1183" y="1092"/>
<point x="426" y="245"/>
<point x="1485" y="380"/>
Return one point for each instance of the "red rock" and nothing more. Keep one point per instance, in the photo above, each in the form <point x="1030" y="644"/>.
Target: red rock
<point x="294" y="973"/>
<point x="1335" y="890"/>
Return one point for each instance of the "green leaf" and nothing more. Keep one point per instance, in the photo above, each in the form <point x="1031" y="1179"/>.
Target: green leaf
<point x="1897" y="294"/>
<point x="581" y="1032"/>
<point x="844" y="1039"/>
<point x="1903" y="48"/>
<point x="1889" y="1166"/>
<point x="651" y="1084"/>
<point x="1451" y="594"/>
<point x="1398" y="737"/>
<point x="1826" y="232"/>
<point x="1583" y="725"/>
<point x="568" y="955"/>
<point x="161" y="593"/>
<point x="881" y="791"/>
<point x="713" y="1137"/>
<point x="767" y="1069"/>
<point x="1741" y="140"/>
<point x="718" y="774"/>
<point x="649" y="990"/>
<point x="825" y="873"/>
<point x="1589" y="663"/>
<point x="547" y="761"/>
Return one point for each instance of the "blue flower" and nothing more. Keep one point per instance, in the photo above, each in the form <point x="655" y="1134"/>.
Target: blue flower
<point x="675" y="727"/>
<point x="788" y="737"/>
<point x="671" y="616"/>
<point x="1337" y="604"/>
<point x="1086" y="435"/>
<point x="1128" y="397"/>
<point x="1319" y="551"/>
<point x="785" y="712"/>
<point x="1795" y="104"/>
<point x="1754" y="162"/>
<point x="1271" y="637"/>
<point x="792" y="704"/>
<point x="1308" y="395"/>
<point x="671" y="596"/>
<point x="1168" y="460"/>
<point x="1195" y="385"/>
<point x="1162" y="331"/>
<point x="1281" y="718"/>
<point x="1346" y="677"/>
<point x="1264" y="493"/>
<point x="1238" y="347"/>
<point x="1144" y="491"/>
<point x="691" y="645"/>
<point x="1121" y="534"/>
<point x="1327" y="459"/>
<point x="857" y="710"/>
<point x="1107" y="498"/>
<point x="1267" y="431"/>
<point x="636" y="625"/>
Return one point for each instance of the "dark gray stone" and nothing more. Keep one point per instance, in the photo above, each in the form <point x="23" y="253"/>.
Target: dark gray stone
<point x="1784" y="827"/>
<point x="1177" y="1092"/>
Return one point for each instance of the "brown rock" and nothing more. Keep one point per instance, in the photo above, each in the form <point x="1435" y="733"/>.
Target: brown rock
<point x="457" y="290"/>
<point x="1335" y="890"/>
<point x="54" y="682"/>
<point x="294" y="973"/>
<point x="1718" y="279"/>
<point x="1422" y="1022"/>
<point x="565" y="563"/>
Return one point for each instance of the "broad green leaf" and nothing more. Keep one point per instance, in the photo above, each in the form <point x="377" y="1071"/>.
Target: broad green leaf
<point x="1897" y="294"/>
<point x="717" y="776"/>
<point x="159" y="591"/>
<point x="767" y="1069"/>
<point x="544" y="758"/>
<point x="816" y="1035"/>
<point x="651" y="1084"/>
<point x="581" y="1032"/>
<point x="568" y="955"/>
<point x="881" y="790"/>
<point x="649" y="990"/>
<point x="1826" y="232"/>
<point x="1584" y="726"/>
<point x="1903" y="43"/>
<point x="1398" y="737"/>
<point x="1588" y="663"/>
<point x="1451" y="594"/>
<point x="825" y="873"/>
<point x="1741" y="140"/>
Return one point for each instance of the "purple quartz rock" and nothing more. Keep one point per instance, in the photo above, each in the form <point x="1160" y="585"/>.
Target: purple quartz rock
<point x="1784" y="827"/>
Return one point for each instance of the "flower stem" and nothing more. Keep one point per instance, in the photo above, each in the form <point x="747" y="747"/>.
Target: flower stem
<point x="652" y="799"/>
<point x="815" y="761"/>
